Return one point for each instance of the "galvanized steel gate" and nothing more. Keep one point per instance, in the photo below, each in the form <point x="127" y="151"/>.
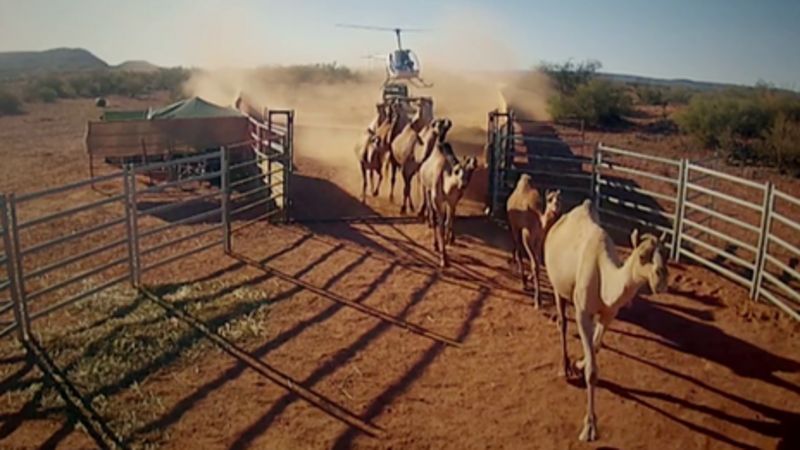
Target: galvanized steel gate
<point x="54" y="254"/>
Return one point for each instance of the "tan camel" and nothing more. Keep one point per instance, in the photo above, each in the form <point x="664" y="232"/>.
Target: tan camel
<point x="403" y="149"/>
<point x="529" y="226"/>
<point x="583" y="266"/>
<point x="374" y="150"/>
<point x="371" y="160"/>
<point x="443" y="185"/>
<point x="384" y="111"/>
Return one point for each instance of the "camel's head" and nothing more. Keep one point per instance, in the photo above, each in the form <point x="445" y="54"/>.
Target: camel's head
<point x="552" y="202"/>
<point x="441" y="127"/>
<point x="650" y="263"/>
<point x="467" y="169"/>
<point x="424" y="111"/>
<point x="525" y="180"/>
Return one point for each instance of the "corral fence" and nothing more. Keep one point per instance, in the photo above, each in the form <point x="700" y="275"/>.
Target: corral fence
<point x="62" y="245"/>
<point x="745" y="230"/>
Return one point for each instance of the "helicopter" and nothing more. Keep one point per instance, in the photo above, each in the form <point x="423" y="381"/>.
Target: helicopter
<point x="402" y="64"/>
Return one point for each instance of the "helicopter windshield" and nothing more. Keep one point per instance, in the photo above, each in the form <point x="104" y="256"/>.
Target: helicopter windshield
<point x="401" y="62"/>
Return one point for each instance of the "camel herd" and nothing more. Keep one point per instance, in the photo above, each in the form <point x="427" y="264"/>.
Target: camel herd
<point x="579" y="256"/>
<point x="417" y="146"/>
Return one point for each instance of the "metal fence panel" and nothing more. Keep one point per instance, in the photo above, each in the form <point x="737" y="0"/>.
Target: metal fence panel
<point x="731" y="225"/>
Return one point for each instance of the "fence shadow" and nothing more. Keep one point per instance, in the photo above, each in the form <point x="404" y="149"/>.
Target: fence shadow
<point x="570" y="169"/>
<point x="704" y="340"/>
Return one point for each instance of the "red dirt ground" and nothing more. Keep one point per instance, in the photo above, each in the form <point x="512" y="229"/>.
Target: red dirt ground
<point x="696" y="367"/>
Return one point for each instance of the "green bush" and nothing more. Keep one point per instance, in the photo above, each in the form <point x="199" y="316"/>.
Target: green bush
<point x="568" y="76"/>
<point x="9" y="104"/>
<point x="781" y="142"/>
<point x="735" y="114"/>
<point x="102" y="83"/>
<point x="751" y="126"/>
<point x="662" y="95"/>
<point x="596" y="102"/>
<point x="46" y="94"/>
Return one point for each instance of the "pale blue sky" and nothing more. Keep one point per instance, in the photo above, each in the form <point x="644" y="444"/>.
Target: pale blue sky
<point x="738" y="41"/>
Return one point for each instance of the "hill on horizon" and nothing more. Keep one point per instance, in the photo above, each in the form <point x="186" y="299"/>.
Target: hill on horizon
<point x="137" y="65"/>
<point x="54" y="60"/>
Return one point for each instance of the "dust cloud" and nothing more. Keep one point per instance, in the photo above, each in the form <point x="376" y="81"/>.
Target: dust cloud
<point x="471" y="70"/>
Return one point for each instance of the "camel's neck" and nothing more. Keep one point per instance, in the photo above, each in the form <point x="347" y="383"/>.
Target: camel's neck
<point x="430" y="144"/>
<point x="397" y="127"/>
<point x="548" y="219"/>
<point x="417" y="125"/>
<point x="620" y="282"/>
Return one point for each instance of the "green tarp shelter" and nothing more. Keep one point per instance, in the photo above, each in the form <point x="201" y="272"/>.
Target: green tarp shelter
<point x="186" y="126"/>
<point x="192" y="108"/>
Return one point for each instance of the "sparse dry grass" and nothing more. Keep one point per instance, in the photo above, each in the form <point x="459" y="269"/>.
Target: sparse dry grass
<point x="117" y="341"/>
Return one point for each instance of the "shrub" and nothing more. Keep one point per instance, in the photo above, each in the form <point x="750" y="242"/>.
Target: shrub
<point x="751" y="126"/>
<point x="46" y="94"/>
<point x="662" y="95"/>
<point x="651" y="95"/>
<point x="103" y="83"/>
<point x="568" y="76"/>
<point x="781" y="142"/>
<point x="9" y="104"/>
<point x="738" y="115"/>
<point x="597" y="102"/>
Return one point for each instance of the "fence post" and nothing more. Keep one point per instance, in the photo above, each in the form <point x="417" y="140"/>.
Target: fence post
<point x="133" y="237"/>
<point x="497" y="148"/>
<point x="680" y="208"/>
<point x="10" y="266"/>
<point x="225" y="187"/>
<point x="288" y="167"/>
<point x="16" y="270"/>
<point x="126" y="184"/>
<point x="763" y="240"/>
<point x="490" y="143"/>
<point x="597" y="159"/>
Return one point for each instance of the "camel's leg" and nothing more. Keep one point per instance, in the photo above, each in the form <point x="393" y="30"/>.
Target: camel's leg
<point x="452" y="227"/>
<point x="442" y="226"/>
<point x="527" y="245"/>
<point x="429" y="214"/>
<point x="516" y="255"/>
<point x="410" y="198"/>
<point x="392" y="181"/>
<point x="561" y="306"/>
<point x="433" y="218"/>
<point x="597" y="342"/>
<point x="440" y="215"/>
<point x="450" y="217"/>
<point x="377" y="187"/>
<point x="406" y="194"/>
<point x="586" y="330"/>
<point x="364" y="182"/>
<point x="423" y="210"/>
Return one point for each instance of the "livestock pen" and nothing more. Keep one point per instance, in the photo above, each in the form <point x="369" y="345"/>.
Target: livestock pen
<point x="346" y="334"/>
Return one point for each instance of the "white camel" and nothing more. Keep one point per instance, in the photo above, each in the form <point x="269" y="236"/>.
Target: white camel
<point x="443" y="185"/>
<point x="582" y="265"/>
<point x="529" y="226"/>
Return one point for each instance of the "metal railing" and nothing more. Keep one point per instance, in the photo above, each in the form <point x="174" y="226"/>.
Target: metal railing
<point x="745" y="230"/>
<point x="54" y="253"/>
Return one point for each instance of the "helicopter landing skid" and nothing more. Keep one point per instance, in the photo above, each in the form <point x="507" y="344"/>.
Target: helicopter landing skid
<point x="420" y="83"/>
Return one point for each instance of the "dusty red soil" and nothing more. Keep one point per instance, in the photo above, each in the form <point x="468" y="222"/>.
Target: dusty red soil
<point x="698" y="366"/>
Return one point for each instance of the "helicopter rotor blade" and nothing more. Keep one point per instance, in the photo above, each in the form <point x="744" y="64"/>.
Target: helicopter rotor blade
<point x="370" y="27"/>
